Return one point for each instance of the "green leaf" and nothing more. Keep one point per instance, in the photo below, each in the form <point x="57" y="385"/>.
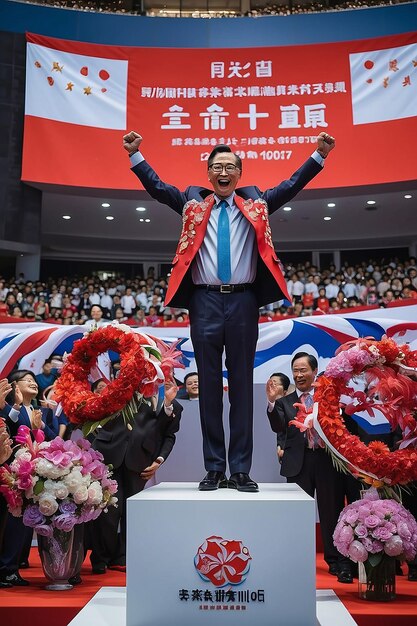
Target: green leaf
<point x="38" y="488"/>
<point x="375" y="559"/>
<point x="154" y="351"/>
<point x="90" y="427"/>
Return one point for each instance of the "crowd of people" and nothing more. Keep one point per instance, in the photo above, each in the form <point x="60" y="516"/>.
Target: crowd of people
<point x="283" y="8"/>
<point x="291" y="8"/>
<point x="140" y="301"/>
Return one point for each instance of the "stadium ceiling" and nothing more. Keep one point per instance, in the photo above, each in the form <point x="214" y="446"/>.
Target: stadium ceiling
<point x="362" y="218"/>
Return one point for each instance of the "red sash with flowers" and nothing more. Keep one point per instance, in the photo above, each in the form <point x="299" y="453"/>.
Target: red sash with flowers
<point x="195" y="217"/>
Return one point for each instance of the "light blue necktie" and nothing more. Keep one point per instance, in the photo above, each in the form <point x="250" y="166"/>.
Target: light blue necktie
<point x="224" y="271"/>
<point x="307" y="400"/>
<point x="313" y="437"/>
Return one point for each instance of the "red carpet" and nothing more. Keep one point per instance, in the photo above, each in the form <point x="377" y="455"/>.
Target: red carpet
<point x="33" y="606"/>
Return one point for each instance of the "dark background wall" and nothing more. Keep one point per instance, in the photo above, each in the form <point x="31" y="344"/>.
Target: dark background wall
<point x="20" y="205"/>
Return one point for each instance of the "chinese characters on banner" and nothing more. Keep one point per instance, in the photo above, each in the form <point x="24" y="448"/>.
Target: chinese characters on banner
<point x="268" y="104"/>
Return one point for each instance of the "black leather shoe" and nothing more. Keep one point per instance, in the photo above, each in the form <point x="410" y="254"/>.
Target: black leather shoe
<point x="4" y="585"/>
<point x="412" y="574"/>
<point x="345" y="576"/>
<point x="334" y="569"/>
<point x="75" y="580"/>
<point x="213" y="480"/>
<point x="99" y="569"/>
<point x="15" y="580"/>
<point x="243" y="482"/>
<point x="24" y="565"/>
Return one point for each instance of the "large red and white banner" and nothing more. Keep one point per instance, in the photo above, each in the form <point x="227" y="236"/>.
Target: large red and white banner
<point x="268" y="104"/>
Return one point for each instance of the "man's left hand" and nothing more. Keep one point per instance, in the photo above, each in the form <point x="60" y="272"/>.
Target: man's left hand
<point x="171" y="391"/>
<point x="149" y="471"/>
<point x="325" y="143"/>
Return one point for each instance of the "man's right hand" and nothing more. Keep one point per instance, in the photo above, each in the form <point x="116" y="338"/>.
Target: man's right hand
<point x="5" y="389"/>
<point x="274" y="391"/>
<point x="131" y="142"/>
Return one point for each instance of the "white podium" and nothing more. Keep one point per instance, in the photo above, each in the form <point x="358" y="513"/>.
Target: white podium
<point x="221" y="557"/>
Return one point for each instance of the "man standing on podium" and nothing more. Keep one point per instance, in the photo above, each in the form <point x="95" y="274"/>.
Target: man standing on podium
<point x="224" y="269"/>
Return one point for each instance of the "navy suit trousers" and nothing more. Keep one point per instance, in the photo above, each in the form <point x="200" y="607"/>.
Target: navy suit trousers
<point x="225" y="321"/>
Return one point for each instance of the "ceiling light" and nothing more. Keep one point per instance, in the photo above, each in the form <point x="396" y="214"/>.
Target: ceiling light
<point x="66" y="217"/>
<point x="105" y="205"/>
<point x="109" y="217"/>
<point x="141" y="209"/>
<point x="287" y="208"/>
<point x="147" y="219"/>
<point x="327" y="218"/>
<point x="370" y="202"/>
<point x="331" y="205"/>
<point x="141" y="219"/>
<point x="408" y="196"/>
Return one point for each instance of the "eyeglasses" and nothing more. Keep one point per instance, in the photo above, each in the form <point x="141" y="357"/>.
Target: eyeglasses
<point x="28" y="380"/>
<point x="217" y="168"/>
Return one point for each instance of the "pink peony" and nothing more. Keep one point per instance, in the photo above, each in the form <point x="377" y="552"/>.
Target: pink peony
<point x="394" y="546"/>
<point x="404" y="531"/>
<point x="346" y="534"/>
<point x="381" y="533"/>
<point x="351" y="516"/>
<point x="358" y="552"/>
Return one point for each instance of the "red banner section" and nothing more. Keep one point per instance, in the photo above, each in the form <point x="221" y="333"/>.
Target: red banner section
<point x="268" y="104"/>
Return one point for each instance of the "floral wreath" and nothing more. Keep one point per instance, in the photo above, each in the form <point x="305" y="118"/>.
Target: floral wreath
<point x="144" y="365"/>
<point x="390" y="372"/>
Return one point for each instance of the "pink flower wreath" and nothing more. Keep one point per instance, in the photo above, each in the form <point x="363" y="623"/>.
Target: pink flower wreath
<point x="391" y="372"/>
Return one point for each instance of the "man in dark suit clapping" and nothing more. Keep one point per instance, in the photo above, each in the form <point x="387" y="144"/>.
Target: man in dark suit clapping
<point x="305" y="461"/>
<point x="135" y="454"/>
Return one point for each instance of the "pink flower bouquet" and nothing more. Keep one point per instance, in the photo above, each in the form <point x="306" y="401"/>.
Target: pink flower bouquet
<point x="56" y="484"/>
<point x="376" y="527"/>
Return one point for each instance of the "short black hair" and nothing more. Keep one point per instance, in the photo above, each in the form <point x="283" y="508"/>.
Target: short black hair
<point x="285" y="381"/>
<point x="312" y="361"/>
<point x="223" y="148"/>
<point x="188" y="376"/>
<point x="14" y="377"/>
<point x="17" y="375"/>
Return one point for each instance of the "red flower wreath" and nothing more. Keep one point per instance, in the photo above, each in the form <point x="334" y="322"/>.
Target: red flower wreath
<point x="392" y="371"/>
<point x="139" y="376"/>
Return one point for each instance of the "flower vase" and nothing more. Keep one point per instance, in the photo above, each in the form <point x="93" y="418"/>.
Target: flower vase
<point x="61" y="555"/>
<point x="376" y="579"/>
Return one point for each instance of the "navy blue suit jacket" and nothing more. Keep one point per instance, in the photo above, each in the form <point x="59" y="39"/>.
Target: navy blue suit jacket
<point x="51" y="423"/>
<point x="293" y="441"/>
